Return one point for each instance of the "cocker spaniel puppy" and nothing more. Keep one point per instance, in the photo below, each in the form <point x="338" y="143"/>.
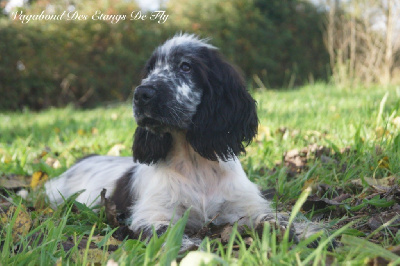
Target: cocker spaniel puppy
<point x="194" y="118"/>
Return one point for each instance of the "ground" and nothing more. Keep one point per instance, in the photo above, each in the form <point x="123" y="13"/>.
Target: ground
<point x="335" y="151"/>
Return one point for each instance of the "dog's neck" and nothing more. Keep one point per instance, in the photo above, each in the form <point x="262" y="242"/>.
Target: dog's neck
<point x="185" y="159"/>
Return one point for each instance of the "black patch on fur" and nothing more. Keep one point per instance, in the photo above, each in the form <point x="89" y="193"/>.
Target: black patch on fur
<point x="161" y="230"/>
<point x="123" y="196"/>
<point x="148" y="67"/>
<point x="149" y="148"/>
<point x="226" y="119"/>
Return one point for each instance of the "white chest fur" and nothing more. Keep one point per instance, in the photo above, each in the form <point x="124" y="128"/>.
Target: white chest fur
<point x="212" y="189"/>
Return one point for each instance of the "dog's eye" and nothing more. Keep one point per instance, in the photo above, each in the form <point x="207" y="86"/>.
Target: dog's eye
<point x="185" y="67"/>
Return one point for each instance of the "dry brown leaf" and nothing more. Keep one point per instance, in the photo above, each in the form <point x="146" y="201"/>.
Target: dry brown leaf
<point x="22" y="223"/>
<point x="111" y="241"/>
<point x="226" y="233"/>
<point x="382" y="261"/>
<point x="14" y="181"/>
<point x="376" y="221"/>
<point x="382" y="183"/>
<point x="38" y="178"/>
<point x="341" y="197"/>
<point x="94" y="255"/>
<point x="316" y="203"/>
<point x="294" y="161"/>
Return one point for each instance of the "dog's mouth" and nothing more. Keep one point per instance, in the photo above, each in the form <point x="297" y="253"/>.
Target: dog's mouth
<point x="158" y="123"/>
<point x="149" y="122"/>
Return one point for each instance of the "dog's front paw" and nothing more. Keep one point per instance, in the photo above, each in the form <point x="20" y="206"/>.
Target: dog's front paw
<point x="280" y="227"/>
<point x="306" y="229"/>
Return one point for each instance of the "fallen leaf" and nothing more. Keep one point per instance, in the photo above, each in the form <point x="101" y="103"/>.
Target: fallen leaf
<point x="316" y="151"/>
<point x="14" y="181"/>
<point x="376" y="261"/>
<point x="382" y="182"/>
<point x="376" y="221"/>
<point x="94" y="255"/>
<point x="226" y="233"/>
<point x="294" y="161"/>
<point x="52" y="162"/>
<point x="341" y="197"/>
<point x="395" y="250"/>
<point x="386" y="182"/>
<point x="382" y="261"/>
<point x="111" y="241"/>
<point x="38" y="178"/>
<point x="316" y="203"/>
<point x="22" y="223"/>
<point x="116" y="150"/>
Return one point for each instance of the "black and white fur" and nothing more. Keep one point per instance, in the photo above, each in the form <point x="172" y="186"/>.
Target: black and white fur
<point x="194" y="118"/>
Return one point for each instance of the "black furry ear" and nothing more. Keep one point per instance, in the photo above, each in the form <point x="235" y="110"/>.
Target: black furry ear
<point x="148" y="66"/>
<point x="226" y="119"/>
<point x="149" y="148"/>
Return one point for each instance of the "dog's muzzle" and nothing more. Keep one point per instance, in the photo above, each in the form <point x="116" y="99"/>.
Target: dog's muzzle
<point x="144" y="99"/>
<point x="144" y="95"/>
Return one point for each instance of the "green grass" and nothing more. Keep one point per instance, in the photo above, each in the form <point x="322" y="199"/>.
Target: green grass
<point x="358" y="118"/>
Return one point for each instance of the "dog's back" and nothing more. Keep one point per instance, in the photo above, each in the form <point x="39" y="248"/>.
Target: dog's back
<point x="89" y="175"/>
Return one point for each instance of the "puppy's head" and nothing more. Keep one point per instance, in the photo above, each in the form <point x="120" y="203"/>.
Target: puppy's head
<point x="187" y="86"/>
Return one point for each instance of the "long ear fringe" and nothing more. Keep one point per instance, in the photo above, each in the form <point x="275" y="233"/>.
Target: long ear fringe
<point x="226" y="120"/>
<point x="149" y="148"/>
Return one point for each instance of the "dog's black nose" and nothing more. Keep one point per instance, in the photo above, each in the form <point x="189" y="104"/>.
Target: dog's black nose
<point x="143" y="95"/>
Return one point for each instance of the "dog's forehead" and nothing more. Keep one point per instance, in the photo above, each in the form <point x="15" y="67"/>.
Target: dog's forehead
<point x="184" y="43"/>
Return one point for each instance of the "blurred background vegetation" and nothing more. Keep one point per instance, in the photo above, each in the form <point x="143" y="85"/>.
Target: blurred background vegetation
<point x="277" y="43"/>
